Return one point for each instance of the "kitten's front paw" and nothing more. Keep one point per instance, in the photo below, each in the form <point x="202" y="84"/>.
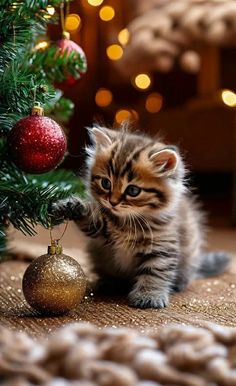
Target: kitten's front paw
<point x="148" y="299"/>
<point x="71" y="209"/>
<point x="180" y="286"/>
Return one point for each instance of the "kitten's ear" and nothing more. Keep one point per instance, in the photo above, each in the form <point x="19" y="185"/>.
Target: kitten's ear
<point x="165" y="161"/>
<point x="100" y="136"/>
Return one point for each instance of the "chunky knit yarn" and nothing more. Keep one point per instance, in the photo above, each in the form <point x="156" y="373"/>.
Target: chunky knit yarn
<point x="84" y="355"/>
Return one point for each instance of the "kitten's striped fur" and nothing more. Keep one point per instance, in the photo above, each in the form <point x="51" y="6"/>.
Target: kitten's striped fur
<point x="155" y="238"/>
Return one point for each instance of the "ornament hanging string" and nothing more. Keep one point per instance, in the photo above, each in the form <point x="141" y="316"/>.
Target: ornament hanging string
<point x="36" y="109"/>
<point x="34" y="95"/>
<point x="64" y="12"/>
<point x="56" y="241"/>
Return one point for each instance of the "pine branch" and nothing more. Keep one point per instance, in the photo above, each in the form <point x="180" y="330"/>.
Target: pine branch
<point x="23" y="70"/>
<point x="19" y="27"/>
<point x="26" y="206"/>
<point x="25" y="199"/>
<point x="18" y="82"/>
<point x="21" y="22"/>
<point x="17" y="94"/>
<point x="27" y="203"/>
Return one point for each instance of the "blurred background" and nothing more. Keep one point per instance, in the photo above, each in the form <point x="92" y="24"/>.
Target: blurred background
<point x="169" y="68"/>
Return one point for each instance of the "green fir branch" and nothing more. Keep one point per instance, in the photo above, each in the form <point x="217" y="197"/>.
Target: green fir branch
<point x="17" y="94"/>
<point x="25" y="75"/>
<point x="21" y="22"/>
<point x="26" y="199"/>
<point x="26" y="203"/>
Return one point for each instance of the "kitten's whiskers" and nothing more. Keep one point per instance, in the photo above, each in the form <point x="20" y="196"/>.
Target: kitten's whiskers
<point x="95" y="214"/>
<point x="133" y="244"/>
<point x="127" y="239"/>
<point x="140" y="218"/>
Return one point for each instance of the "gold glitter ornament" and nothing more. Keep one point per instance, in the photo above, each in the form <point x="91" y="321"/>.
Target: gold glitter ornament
<point x="54" y="283"/>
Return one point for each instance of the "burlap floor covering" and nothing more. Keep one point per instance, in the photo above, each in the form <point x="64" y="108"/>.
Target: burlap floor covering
<point x="95" y="347"/>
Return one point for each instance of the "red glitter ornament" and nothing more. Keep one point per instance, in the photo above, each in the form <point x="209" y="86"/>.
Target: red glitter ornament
<point x="36" y="143"/>
<point x="67" y="45"/>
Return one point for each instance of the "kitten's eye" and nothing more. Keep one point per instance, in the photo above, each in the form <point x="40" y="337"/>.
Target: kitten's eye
<point x="106" y="183"/>
<point x="133" y="190"/>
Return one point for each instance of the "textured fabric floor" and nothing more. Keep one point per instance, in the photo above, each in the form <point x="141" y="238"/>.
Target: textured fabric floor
<point x="211" y="299"/>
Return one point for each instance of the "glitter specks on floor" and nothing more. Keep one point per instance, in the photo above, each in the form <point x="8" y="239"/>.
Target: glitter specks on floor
<point x="211" y="299"/>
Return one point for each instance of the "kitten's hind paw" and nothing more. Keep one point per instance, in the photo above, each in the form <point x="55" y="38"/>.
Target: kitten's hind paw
<point x="149" y="299"/>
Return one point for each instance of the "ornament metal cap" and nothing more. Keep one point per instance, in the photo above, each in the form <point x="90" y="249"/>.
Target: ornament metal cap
<point x="54" y="248"/>
<point x="65" y="35"/>
<point x="37" y="110"/>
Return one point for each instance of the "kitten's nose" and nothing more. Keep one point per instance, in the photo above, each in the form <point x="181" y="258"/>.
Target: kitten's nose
<point x="113" y="203"/>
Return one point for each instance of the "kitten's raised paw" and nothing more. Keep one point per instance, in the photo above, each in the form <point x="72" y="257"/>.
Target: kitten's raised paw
<point x="152" y="299"/>
<point x="70" y="208"/>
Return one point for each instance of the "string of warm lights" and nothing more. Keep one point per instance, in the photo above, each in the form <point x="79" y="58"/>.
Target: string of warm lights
<point x="142" y="82"/>
<point x="103" y="96"/>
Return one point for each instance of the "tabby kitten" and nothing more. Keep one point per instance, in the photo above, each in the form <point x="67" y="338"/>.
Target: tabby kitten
<point x="143" y="223"/>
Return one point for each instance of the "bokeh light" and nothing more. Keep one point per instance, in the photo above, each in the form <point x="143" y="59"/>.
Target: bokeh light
<point x="73" y="22"/>
<point x="41" y="45"/>
<point x="103" y="97"/>
<point x="50" y="10"/>
<point x="95" y="3"/>
<point x="229" y="98"/>
<point x="107" y="13"/>
<point x="154" y="102"/>
<point x="123" y="36"/>
<point x="125" y="114"/>
<point x="114" y="52"/>
<point x="142" y="81"/>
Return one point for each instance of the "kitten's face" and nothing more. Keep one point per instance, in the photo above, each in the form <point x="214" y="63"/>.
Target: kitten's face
<point x="124" y="177"/>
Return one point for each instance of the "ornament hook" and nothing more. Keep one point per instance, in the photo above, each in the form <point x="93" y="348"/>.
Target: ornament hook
<point x="55" y="248"/>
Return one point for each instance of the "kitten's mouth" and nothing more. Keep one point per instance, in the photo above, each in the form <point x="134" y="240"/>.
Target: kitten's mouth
<point x="115" y="211"/>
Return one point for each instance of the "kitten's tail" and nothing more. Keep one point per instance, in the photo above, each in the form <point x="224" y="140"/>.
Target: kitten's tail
<point x="214" y="263"/>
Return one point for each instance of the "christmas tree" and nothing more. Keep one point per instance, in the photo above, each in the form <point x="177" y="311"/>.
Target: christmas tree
<point x="27" y="73"/>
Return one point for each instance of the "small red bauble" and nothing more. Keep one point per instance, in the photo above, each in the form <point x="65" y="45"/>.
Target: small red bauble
<point x="67" y="45"/>
<point x="36" y="143"/>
